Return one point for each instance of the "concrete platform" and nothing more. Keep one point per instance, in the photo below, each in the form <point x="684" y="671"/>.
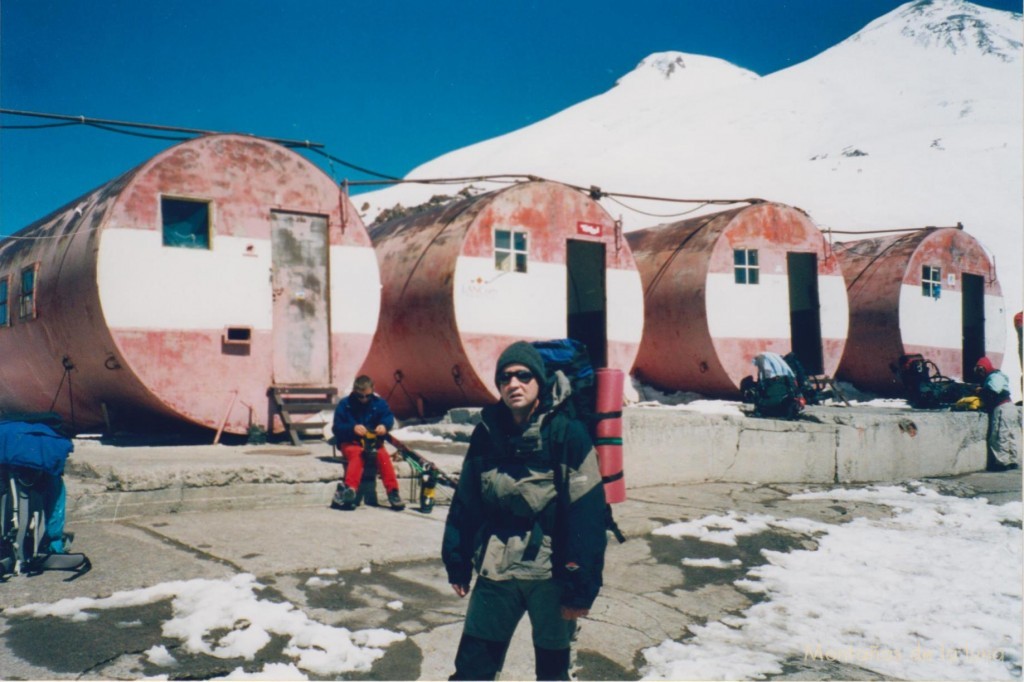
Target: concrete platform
<point x="826" y="445"/>
<point x="662" y="446"/>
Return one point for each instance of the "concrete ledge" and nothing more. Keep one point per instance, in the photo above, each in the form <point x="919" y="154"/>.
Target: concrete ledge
<point x="106" y="483"/>
<point x="103" y="505"/>
<point x="662" y="446"/>
<point x="826" y="445"/>
<point x="907" y="444"/>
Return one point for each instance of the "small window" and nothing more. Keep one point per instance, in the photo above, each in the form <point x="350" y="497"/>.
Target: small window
<point x="27" y="300"/>
<point x="931" y="281"/>
<point x="745" y="266"/>
<point x="5" y="298"/>
<point x="510" y="251"/>
<point x="186" y="224"/>
<point x="238" y="335"/>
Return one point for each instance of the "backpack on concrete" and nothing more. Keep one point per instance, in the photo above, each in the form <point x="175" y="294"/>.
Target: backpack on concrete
<point x="776" y="393"/>
<point x="778" y="397"/>
<point x="803" y="382"/>
<point x="924" y="385"/>
<point x="32" y="502"/>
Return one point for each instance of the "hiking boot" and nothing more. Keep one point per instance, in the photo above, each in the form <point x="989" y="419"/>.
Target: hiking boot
<point x="344" y="497"/>
<point x="395" y="500"/>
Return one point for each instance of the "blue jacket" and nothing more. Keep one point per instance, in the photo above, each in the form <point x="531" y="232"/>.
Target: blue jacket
<point x="350" y="412"/>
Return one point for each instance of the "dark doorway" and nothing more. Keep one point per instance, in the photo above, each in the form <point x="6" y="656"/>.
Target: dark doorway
<point x="973" y="316"/>
<point x="587" y="300"/>
<point x="804" y="310"/>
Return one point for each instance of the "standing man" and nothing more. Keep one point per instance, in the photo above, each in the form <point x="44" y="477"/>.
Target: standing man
<point x="357" y="416"/>
<point x="528" y="515"/>
<point x="1003" y="438"/>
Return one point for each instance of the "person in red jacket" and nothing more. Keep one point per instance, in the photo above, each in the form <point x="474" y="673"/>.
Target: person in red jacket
<point x="1017" y="322"/>
<point x="358" y="415"/>
<point x="1003" y="438"/>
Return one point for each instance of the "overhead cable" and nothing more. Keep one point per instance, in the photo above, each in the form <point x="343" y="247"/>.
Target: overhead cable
<point x="99" y="122"/>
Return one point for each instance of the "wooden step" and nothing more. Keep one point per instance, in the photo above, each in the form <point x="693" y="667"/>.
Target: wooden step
<point x="303" y="401"/>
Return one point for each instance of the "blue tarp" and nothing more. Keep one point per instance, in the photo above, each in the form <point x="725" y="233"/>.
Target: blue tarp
<point x="35" y="446"/>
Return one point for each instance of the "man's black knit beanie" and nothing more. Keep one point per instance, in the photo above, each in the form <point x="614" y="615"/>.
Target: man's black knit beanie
<point x="523" y="353"/>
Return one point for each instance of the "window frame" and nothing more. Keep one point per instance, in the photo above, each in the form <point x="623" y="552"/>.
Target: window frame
<point x="931" y="281"/>
<point x="187" y="200"/>
<point x="5" y="301"/>
<point x="28" y="303"/>
<point x="746" y="272"/>
<point x="517" y="257"/>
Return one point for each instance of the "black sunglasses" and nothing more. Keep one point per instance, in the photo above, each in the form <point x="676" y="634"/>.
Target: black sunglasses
<point x="524" y="376"/>
<point x="361" y="397"/>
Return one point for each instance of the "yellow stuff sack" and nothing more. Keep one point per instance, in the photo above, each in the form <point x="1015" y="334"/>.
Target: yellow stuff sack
<point x="967" y="403"/>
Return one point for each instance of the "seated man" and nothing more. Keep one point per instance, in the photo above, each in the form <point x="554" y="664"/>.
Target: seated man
<point x="359" y="414"/>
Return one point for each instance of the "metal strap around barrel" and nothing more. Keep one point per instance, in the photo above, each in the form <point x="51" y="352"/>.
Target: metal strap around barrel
<point x="613" y="477"/>
<point x="610" y="440"/>
<point x="598" y="416"/>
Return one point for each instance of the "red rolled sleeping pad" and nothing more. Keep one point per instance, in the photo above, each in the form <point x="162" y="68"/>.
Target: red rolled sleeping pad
<point x="608" y="433"/>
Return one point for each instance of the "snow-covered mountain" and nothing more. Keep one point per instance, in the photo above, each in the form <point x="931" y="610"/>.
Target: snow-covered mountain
<point x="914" y="120"/>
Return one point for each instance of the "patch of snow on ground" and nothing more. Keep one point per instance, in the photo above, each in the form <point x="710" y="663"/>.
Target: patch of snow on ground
<point x="934" y="592"/>
<point x="702" y="406"/>
<point x="713" y="562"/>
<point x="896" y="403"/>
<point x="158" y="655"/>
<point x="226" y="619"/>
<point x="411" y="433"/>
<point x="724" y="529"/>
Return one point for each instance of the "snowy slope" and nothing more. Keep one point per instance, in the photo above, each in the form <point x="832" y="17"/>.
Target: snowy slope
<point x="915" y="120"/>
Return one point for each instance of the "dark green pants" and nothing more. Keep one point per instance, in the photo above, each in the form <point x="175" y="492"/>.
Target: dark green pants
<point x="495" y="609"/>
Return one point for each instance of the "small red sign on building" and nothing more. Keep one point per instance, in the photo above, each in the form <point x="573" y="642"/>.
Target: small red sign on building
<point x="589" y="229"/>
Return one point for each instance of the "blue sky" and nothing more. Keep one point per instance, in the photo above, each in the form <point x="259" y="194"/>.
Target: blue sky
<point x="385" y="84"/>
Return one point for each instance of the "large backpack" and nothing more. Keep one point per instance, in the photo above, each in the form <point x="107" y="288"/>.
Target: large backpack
<point x="778" y="397"/>
<point x="571" y="357"/>
<point x="803" y="382"/>
<point x="32" y="497"/>
<point x="924" y="385"/>
<point x="776" y="392"/>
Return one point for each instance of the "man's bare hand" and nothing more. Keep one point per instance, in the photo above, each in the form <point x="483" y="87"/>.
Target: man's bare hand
<point x="381" y="430"/>
<point x="461" y="590"/>
<point x="359" y="430"/>
<point x="570" y="613"/>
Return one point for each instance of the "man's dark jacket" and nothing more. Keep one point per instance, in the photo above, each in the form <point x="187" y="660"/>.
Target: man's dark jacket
<point x="530" y="503"/>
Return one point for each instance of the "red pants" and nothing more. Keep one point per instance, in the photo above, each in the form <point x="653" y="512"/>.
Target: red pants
<point x="353" y="454"/>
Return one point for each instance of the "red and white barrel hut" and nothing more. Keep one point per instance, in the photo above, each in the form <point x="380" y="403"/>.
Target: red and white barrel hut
<point x="186" y="289"/>
<point x="931" y="291"/>
<point x="537" y="260"/>
<point x="721" y="288"/>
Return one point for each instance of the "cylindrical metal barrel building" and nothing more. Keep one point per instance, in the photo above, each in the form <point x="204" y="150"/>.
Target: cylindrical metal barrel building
<point x="186" y="289"/>
<point x="721" y="288"/>
<point x="536" y="260"/>
<point x="933" y="291"/>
